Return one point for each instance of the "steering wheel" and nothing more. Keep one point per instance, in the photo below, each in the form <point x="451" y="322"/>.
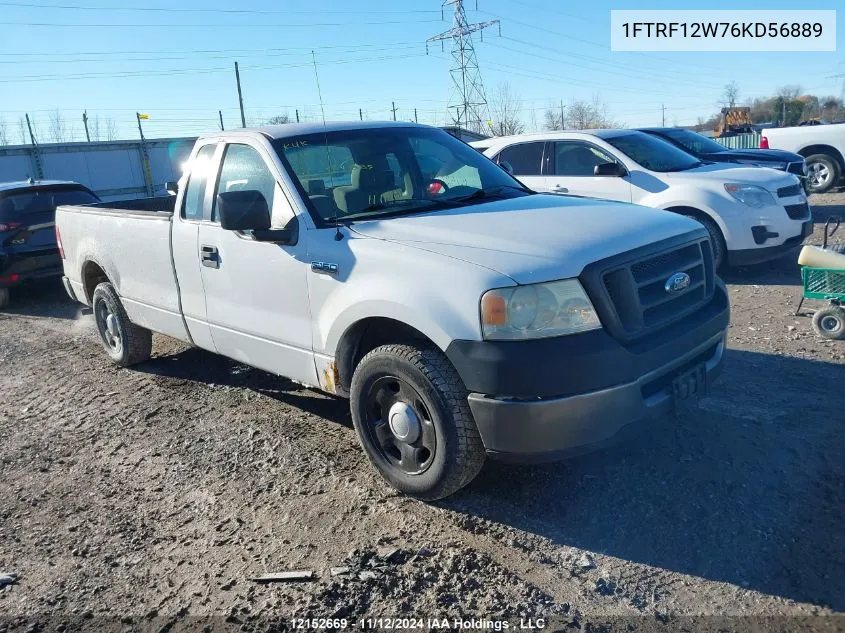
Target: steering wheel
<point x="437" y="187"/>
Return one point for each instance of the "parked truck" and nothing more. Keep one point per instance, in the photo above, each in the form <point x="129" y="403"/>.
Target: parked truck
<point x="822" y="146"/>
<point x="461" y="314"/>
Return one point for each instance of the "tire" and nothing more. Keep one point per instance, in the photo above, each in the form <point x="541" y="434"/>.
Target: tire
<point x="419" y="389"/>
<point x="720" y="249"/>
<point x="824" y="173"/>
<point x="4" y="298"/>
<point x="829" y="322"/>
<point x="124" y="342"/>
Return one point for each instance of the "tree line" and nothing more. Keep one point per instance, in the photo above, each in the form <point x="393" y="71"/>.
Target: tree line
<point x="57" y="130"/>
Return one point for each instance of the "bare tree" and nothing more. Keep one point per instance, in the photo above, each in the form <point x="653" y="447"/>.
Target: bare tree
<point x="279" y="119"/>
<point x="583" y="115"/>
<point x="790" y="93"/>
<point x="4" y="134"/>
<point x="553" y="119"/>
<point x="731" y="94"/>
<point x="505" y="107"/>
<point x="58" y="129"/>
<point x="111" y="129"/>
<point x="94" y="127"/>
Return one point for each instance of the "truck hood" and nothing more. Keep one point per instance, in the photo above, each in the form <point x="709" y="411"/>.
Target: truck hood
<point x="720" y="173"/>
<point x="531" y="238"/>
<point x="761" y="155"/>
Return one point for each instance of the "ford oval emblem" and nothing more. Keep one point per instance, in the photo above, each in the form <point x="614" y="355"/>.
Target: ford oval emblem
<point x="677" y="283"/>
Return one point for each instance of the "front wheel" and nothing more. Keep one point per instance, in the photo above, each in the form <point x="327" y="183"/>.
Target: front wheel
<point x="411" y="415"/>
<point x="829" y="322"/>
<point x="124" y="342"/>
<point x="822" y="173"/>
<point x="720" y="249"/>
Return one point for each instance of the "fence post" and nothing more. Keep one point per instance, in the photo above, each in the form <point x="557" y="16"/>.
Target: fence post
<point x="145" y="158"/>
<point x="36" y="152"/>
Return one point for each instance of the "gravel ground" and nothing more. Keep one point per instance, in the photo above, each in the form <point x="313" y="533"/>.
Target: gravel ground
<point x="155" y="494"/>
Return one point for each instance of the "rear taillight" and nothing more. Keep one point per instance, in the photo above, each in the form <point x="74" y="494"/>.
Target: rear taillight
<point x="9" y="226"/>
<point x="59" y="242"/>
<point x="764" y="142"/>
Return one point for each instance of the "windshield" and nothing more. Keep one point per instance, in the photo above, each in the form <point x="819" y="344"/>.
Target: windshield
<point x="695" y="142"/>
<point x="358" y="174"/>
<point x="653" y="153"/>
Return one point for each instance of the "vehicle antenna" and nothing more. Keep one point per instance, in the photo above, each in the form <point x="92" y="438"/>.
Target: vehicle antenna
<point x="337" y="235"/>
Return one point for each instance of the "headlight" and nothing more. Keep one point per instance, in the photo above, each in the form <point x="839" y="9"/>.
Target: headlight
<point x="751" y="195"/>
<point x="770" y="165"/>
<point x="537" y="311"/>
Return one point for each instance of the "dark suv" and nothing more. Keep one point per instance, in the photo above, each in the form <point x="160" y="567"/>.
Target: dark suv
<point x="28" y="248"/>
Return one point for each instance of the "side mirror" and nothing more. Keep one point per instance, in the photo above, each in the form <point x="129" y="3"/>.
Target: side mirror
<point x="171" y="187"/>
<point x="288" y="235"/>
<point x="243" y="211"/>
<point x="609" y="169"/>
<point x="507" y="167"/>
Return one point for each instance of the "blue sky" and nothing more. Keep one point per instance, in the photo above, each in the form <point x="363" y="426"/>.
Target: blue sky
<point x="175" y="62"/>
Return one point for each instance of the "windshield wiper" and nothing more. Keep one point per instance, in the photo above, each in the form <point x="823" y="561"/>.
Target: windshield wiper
<point x="491" y="192"/>
<point x="390" y="208"/>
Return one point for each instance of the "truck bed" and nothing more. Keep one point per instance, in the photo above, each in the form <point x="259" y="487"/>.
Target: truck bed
<point x="130" y="242"/>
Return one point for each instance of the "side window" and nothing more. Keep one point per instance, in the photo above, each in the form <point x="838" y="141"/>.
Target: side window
<point x="197" y="179"/>
<point x="574" y="158"/>
<point x="524" y="158"/>
<point x="244" y="169"/>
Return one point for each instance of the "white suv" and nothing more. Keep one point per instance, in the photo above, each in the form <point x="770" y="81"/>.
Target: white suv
<point x="753" y="214"/>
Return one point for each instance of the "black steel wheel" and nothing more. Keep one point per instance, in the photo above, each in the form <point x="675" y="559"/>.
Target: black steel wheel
<point x="411" y="415"/>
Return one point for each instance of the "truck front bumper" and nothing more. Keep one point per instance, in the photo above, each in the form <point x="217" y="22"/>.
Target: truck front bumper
<point x="554" y="428"/>
<point x="548" y="399"/>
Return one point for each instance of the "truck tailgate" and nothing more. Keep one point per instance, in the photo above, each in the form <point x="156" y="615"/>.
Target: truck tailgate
<point x="132" y="247"/>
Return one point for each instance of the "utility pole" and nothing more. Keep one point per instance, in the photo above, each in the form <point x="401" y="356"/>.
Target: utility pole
<point x="783" y="120"/>
<point x="240" y="94"/>
<point x="360" y="114"/>
<point x="220" y="113"/>
<point x="416" y="120"/>
<point x="85" y="123"/>
<point x="562" y="118"/>
<point x="393" y="103"/>
<point x="36" y="151"/>
<point x="468" y="99"/>
<point x="145" y="155"/>
<point x="663" y="108"/>
<point x="297" y="115"/>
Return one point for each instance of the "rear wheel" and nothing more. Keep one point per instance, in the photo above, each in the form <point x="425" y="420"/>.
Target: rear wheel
<point x="822" y="173"/>
<point x="124" y="342"/>
<point x="411" y="415"/>
<point x="829" y="322"/>
<point x="4" y="297"/>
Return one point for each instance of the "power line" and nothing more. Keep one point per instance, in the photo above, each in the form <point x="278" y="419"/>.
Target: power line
<point x="185" y="25"/>
<point x="209" y="10"/>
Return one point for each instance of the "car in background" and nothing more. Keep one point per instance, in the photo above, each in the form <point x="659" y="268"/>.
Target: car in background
<point x="823" y="147"/>
<point x="752" y="214"/>
<point x="706" y="149"/>
<point x="28" y="246"/>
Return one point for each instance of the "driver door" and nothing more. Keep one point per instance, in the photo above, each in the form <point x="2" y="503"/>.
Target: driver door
<point x="256" y="293"/>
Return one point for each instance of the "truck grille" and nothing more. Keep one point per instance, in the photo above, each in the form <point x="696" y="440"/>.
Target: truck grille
<point x="633" y="300"/>
<point x="798" y="211"/>
<point x="788" y="192"/>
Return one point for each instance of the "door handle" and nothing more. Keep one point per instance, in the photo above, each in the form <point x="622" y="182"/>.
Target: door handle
<point x="210" y="256"/>
<point x="559" y="189"/>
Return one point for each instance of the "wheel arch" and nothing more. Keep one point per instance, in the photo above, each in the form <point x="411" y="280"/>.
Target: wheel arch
<point x="364" y="336"/>
<point x="828" y="150"/>
<point x="92" y="275"/>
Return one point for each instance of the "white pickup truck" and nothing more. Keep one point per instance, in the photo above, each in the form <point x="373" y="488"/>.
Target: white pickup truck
<point x="392" y="264"/>
<point x="822" y="146"/>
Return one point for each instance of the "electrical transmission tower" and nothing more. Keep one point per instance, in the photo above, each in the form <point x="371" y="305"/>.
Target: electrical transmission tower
<point x="467" y="99"/>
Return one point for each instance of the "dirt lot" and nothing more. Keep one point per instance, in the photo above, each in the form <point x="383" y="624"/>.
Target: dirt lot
<point x="155" y="494"/>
